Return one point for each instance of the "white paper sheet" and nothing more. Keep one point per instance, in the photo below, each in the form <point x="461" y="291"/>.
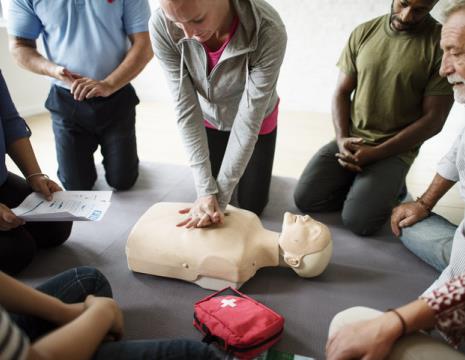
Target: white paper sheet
<point x="65" y="206"/>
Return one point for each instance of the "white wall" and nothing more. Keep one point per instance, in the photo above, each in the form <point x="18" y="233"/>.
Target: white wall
<point x="317" y="32"/>
<point x="28" y="90"/>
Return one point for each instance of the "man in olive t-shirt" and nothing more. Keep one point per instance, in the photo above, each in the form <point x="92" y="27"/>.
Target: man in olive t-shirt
<point x="391" y="66"/>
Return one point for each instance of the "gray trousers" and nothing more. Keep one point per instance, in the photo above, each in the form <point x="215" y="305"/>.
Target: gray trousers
<point x="366" y="199"/>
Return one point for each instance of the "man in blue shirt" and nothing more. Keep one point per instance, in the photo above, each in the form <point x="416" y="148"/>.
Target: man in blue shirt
<point x="94" y="49"/>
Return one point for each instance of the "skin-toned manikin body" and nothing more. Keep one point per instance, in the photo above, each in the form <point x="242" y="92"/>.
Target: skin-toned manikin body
<point x="227" y="254"/>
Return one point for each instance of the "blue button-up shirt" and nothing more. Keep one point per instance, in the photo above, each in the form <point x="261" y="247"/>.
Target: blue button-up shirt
<point x="12" y="126"/>
<point x="88" y="37"/>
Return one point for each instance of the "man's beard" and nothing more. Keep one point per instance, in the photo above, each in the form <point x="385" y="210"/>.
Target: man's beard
<point x="459" y="90"/>
<point x="405" y="26"/>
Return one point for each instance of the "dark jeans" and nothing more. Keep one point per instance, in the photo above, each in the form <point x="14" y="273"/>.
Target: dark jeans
<point x="18" y="246"/>
<point x="366" y="198"/>
<point x="81" y="126"/>
<point x="253" y="188"/>
<point x="73" y="286"/>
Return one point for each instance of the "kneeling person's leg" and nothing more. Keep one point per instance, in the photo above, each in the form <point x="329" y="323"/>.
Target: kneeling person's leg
<point x="118" y="140"/>
<point x="75" y="145"/>
<point x="373" y="195"/>
<point x="324" y="183"/>
<point x="254" y="186"/>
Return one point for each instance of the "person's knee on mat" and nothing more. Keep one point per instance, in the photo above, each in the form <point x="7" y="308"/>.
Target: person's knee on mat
<point x="307" y="202"/>
<point x="78" y="183"/>
<point x="360" y="223"/>
<point x="303" y="202"/>
<point x="301" y="199"/>
<point x="122" y="182"/>
<point x="93" y="281"/>
<point x="16" y="251"/>
<point x="49" y="234"/>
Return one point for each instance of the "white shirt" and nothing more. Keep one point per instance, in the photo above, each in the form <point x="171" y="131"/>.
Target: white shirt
<point x="452" y="167"/>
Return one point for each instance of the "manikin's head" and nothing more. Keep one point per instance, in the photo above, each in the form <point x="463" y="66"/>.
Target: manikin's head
<point x="198" y="19"/>
<point x="453" y="46"/>
<point x="406" y="15"/>
<point x="305" y="245"/>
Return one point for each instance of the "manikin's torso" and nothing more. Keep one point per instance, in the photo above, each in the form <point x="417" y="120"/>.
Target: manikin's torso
<point x="215" y="257"/>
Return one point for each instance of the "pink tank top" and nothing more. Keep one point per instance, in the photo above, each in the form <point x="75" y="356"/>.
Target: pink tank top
<point x="271" y="121"/>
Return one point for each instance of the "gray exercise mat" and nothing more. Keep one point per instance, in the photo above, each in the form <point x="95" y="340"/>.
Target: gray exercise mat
<point x="373" y="271"/>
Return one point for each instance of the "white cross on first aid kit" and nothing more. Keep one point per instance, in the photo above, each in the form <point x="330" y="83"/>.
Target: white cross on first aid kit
<point x="228" y="302"/>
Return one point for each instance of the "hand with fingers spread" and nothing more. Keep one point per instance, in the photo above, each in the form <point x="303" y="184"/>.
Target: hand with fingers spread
<point x="8" y="220"/>
<point x="42" y="184"/>
<point x="346" y="155"/>
<point x="205" y="212"/>
<point x="407" y="214"/>
<point x="366" y="340"/>
<point x="86" y="88"/>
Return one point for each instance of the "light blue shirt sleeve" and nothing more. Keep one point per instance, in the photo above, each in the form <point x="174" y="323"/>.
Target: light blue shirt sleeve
<point x="23" y="21"/>
<point x="136" y="16"/>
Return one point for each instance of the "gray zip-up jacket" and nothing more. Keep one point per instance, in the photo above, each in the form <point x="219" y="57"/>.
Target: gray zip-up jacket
<point x="236" y="96"/>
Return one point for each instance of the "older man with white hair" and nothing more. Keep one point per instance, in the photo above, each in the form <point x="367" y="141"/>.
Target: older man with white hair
<point x="425" y="233"/>
<point x="362" y="333"/>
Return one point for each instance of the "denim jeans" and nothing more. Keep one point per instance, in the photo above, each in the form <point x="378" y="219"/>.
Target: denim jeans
<point x="73" y="286"/>
<point x="81" y="126"/>
<point x="431" y="240"/>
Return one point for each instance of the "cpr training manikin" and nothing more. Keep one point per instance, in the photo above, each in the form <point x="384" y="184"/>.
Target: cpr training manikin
<point x="227" y="254"/>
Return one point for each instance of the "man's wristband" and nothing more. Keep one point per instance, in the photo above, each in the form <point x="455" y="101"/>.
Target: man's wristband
<point x="29" y="177"/>
<point x="401" y="319"/>
<point x="422" y="204"/>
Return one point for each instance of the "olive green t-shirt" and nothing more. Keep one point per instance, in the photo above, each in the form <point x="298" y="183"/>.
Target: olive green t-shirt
<point x="394" y="71"/>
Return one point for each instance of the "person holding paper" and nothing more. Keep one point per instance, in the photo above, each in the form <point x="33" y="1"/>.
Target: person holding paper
<point x="19" y="241"/>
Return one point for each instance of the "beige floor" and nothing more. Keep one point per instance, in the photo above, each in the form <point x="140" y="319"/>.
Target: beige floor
<point x="300" y="135"/>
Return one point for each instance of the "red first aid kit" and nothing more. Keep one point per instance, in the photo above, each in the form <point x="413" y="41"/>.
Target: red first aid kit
<point x="237" y="324"/>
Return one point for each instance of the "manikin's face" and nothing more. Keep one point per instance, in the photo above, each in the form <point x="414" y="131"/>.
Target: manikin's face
<point x="301" y="235"/>
<point x="453" y="59"/>
<point x="406" y="15"/>
<point x="198" y="19"/>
